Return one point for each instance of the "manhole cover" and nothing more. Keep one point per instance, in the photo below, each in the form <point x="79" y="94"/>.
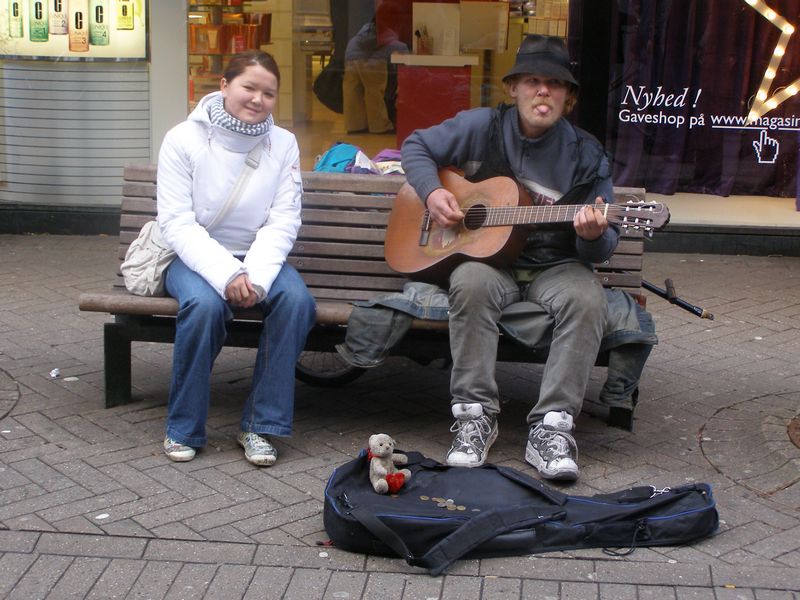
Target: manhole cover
<point x="794" y="431"/>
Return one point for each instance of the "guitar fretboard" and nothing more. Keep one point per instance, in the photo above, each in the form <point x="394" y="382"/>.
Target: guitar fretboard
<point x="481" y="216"/>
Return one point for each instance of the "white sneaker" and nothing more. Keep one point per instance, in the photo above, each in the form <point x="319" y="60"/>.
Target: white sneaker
<point x="177" y="451"/>
<point x="551" y="447"/>
<point x="257" y="449"/>
<point x="475" y="432"/>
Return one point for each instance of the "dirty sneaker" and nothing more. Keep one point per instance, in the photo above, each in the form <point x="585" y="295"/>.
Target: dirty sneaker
<point x="551" y="447"/>
<point x="475" y="432"/>
<point x="257" y="449"/>
<point x="177" y="451"/>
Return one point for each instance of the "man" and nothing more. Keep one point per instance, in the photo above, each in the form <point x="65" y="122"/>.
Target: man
<point x="533" y="143"/>
<point x="369" y="79"/>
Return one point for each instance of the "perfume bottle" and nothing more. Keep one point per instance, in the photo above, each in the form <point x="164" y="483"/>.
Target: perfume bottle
<point x="99" y="22"/>
<point x="15" y="19"/>
<point x="124" y="14"/>
<point x="78" y="25"/>
<point x="38" y="18"/>
<point x="58" y="17"/>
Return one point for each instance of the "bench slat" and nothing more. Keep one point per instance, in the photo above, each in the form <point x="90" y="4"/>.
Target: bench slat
<point x="304" y="247"/>
<point x="627" y="262"/>
<point x="139" y="189"/>
<point x="307" y="264"/>
<point x="350" y="182"/>
<point x="325" y="294"/>
<point x="139" y="205"/>
<point x="348" y="234"/>
<point x="140" y="172"/>
<point x="341" y="200"/>
<point x="134" y="222"/>
<point x="332" y="218"/>
<point x="346" y="281"/>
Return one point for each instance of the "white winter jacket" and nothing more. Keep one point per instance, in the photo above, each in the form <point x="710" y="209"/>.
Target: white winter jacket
<point x="198" y="165"/>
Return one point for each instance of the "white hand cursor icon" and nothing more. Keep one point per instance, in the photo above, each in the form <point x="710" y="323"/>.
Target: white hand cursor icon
<point x="766" y="148"/>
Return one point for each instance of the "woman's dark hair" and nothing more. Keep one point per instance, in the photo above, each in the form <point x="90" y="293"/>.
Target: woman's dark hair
<point x="239" y="62"/>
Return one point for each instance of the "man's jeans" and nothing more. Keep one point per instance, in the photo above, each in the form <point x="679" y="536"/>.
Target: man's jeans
<point x="573" y="296"/>
<point x="200" y="334"/>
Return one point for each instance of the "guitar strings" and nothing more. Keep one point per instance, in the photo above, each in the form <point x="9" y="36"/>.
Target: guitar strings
<point x="510" y="215"/>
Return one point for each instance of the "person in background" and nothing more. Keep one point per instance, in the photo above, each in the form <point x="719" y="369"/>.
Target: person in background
<point x="532" y="142"/>
<point x="240" y="263"/>
<point x="368" y="85"/>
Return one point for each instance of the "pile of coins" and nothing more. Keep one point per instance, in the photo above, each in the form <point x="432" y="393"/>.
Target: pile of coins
<point x="447" y="503"/>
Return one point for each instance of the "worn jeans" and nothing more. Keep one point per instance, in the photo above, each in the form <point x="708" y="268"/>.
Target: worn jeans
<point x="289" y="314"/>
<point x="573" y="296"/>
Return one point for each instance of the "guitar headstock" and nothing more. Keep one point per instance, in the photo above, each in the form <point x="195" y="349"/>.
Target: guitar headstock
<point x="639" y="215"/>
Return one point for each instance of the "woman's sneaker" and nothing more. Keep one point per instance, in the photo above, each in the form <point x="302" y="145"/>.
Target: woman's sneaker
<point x="475" y="432"/>
<point x="551" y="447"/>
<point x="257" y="449"/>
<point x="177" y="451"/>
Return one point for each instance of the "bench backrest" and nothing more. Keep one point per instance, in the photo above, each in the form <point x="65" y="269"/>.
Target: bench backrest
<point x="339" y="249"/>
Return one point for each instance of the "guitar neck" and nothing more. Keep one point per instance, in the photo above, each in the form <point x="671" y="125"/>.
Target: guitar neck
<point x="501" y="216"/>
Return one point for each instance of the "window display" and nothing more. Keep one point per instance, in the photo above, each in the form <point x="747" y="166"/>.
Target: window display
<point x="217" y="30"/>
<point x="703" y="97"/>
<point x="73" y="29"/>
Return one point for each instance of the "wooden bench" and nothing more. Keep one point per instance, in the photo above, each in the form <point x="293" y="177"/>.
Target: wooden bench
<point x="339" y="252"/>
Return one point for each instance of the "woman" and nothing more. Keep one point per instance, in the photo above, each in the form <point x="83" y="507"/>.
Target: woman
<point x="238" y="262"/>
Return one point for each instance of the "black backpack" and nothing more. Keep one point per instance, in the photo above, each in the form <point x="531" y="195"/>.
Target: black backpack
<point x="446" y="513"/>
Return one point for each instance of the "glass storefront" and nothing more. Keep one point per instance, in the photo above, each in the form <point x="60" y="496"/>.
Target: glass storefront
<point x="368" y="71"/>
<point x="691" y="97"/>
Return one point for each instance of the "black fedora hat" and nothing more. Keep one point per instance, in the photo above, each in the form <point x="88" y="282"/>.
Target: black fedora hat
<point x="542" y="55"/>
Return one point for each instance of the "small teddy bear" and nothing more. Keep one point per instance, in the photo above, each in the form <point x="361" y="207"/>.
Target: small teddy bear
<point x="383" y="474"/>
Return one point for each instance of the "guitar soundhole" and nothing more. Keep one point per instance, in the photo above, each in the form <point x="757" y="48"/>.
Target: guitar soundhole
<point x="475" y="217"/>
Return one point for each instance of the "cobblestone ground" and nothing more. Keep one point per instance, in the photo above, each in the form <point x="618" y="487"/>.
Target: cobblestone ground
<point x="90" y="507"/>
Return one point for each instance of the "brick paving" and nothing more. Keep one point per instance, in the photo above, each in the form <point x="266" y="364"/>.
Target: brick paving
<point x="90" y="507"/>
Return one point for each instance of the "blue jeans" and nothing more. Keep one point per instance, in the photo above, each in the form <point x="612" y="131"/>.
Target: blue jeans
<point x="289" y="314"/>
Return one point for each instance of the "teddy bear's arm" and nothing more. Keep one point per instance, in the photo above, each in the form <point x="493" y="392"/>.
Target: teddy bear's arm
<point x="399" y="459"/>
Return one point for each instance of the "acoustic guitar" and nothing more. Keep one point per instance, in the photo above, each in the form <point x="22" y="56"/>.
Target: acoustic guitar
<point x="492" y="231"/>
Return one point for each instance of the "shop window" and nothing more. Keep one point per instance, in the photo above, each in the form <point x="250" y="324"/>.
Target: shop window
<point x="369" y="71"/>
<point x="703" y="96"/>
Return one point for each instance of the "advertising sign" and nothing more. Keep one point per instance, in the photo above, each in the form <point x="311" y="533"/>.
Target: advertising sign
<point x="73" y="29"/>
<point x="704" y="97"/>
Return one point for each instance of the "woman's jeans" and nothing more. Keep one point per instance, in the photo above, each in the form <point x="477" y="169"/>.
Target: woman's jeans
<point x="569" y="292"/>
<point x="289" y="314"/>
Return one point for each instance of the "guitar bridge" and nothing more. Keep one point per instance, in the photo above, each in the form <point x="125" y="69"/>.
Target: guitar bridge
<point x="425" y="230"/>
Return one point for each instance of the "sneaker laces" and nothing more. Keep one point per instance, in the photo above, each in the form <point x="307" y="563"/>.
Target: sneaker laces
<point x="258" y="444"/>
<point x="471" y="434"/>
<point x="559" y="444"/>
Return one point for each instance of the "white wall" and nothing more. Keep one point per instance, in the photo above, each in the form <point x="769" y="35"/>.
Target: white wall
<point x="169" y="96"/>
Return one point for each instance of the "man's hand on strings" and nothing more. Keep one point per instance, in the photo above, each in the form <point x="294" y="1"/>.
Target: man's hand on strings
<point x="444" y="208"/>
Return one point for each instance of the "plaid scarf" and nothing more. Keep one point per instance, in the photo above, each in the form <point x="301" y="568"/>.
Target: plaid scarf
<point x="222" y="118"/>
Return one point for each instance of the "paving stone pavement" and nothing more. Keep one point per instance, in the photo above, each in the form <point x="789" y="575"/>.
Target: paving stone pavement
<point x="90" y="507"/>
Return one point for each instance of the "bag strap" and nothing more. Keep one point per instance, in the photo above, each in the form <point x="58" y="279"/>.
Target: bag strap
<point x="250" y="165"/>
<point x="468" y="536"/>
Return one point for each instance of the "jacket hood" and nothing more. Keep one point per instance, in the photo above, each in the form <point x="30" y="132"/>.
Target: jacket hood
<point x="231" y="140"/>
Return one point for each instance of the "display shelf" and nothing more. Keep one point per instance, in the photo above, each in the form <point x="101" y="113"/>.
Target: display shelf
<point x="218" y="29"/>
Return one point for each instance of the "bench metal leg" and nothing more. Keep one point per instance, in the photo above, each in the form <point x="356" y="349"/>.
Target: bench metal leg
<point x="117" y="352"/>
